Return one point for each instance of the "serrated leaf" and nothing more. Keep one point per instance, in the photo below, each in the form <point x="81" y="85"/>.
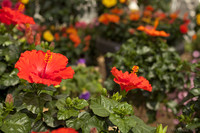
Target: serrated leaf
<point x="17" y="123"/>
<point x="79" y="103"/>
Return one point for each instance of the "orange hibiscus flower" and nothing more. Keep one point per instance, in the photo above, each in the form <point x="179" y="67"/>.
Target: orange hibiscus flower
<point x="152" y="30"/>
<point x="45" y="68"/>
<point x="108" y="18"/>
<point x="9" y="16"/>
<point x="130" y="81"/>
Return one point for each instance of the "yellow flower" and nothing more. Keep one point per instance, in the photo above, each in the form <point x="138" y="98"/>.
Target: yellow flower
<point x="47" y="35"/>
<point x="122" y="1"/>
<point x="198" y="19"/>
<point x="24" y="1"/>
<point x="109" y="3"/>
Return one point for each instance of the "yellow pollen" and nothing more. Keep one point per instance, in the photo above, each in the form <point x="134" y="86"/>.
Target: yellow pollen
<point x="48" y="56"/>
<point x="21" y="7"/>
<point x="135" y="69"/>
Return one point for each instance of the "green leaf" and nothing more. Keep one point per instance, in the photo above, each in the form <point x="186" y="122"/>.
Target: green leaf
<point x="61" y="104"/>
<point x="17" y="123"/>
<point x="83" y="117"/>
<point x="193" y="126"/>
<point x="124" y="124"/>
<point x="141" y="127"/>
<point x="123" y="109"/>
<point x="3" y="39"/>
<point x="66" y="114"/>
<point x="103" y="106"/>
<point x="93" y="122"/>
<point x="79" y="103"/>
<point x="2" y="67"/>
<point x="9" y="80"/>
<point x="195" y="91"/>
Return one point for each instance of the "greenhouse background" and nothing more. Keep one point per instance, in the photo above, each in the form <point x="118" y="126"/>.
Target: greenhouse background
<point x="100" y="66"/>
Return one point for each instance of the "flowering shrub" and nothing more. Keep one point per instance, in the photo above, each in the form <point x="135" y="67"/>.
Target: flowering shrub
<point x="158" y="63"/>
<point x="36" y="107"/>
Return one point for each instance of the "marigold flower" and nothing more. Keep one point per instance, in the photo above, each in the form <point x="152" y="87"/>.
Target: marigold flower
<point x="57" y="36"/>
<point x="47" y="35"/>
<point x="108" y="18"/>
<point x="117" y="11"/>
<point x="183" y="28"/>
<point x="75" y="39"/>
<point x="71" y="30"/>
<point x="9" y="16"/>
<point x="152" y="30"/>
<point x="194" y="37"/>
<point x="134" y="16"/>
<point x="147" y="13"/>
<point x="130" y="81"/>
<point x="109" y="3"/>
<point x="198" y="19"/>
<point x="122" y="1"/>
<point x="44" y="68"/>
<point x="149" y="8"/>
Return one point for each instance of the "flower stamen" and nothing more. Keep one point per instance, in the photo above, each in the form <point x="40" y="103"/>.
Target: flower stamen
<point x="21" y="7"/>
<point x="135" y="69"/>
<point x="48" y="56"/>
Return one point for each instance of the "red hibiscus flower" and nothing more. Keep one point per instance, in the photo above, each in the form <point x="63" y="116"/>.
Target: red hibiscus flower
<point x="9" y="16"/>
<point x="130" y="81"/>
<point x="60" y="130"/>
<point x="64" y="130"/>
<point x="183" y="28"/>
<point x="46" y="68"/>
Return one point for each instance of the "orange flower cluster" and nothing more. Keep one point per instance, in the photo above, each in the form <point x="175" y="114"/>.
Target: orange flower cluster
<point x="57" y="36"/>
<point x="108" y="18"/>
<point x="9" y="16"/>
<point x="152" y="31"/>
<point x="87" y="42"/>
<point x="73" y="36"/>
<point x="130" y="81"/>
<point x="75" y="39"/>
<point x="134" y="16"/>
<point x="44" y="68"/>
<point x="117" y="11"/>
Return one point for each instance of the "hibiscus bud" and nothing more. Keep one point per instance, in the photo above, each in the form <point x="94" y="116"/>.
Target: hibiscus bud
<point x="37" y="39"/>
<point x="9" y="99"/>
<point x="93" y="130"/>
<point x="52" y="45"/>
<point x="29" y="35"/>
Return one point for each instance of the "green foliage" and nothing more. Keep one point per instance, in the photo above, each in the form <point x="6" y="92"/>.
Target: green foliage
<point x="18" y="123"/>
<point x="189" y="119"/>
<point x="158" y="63"/>
<point x="85" y="78"/>
<point x="65" y="11"/>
